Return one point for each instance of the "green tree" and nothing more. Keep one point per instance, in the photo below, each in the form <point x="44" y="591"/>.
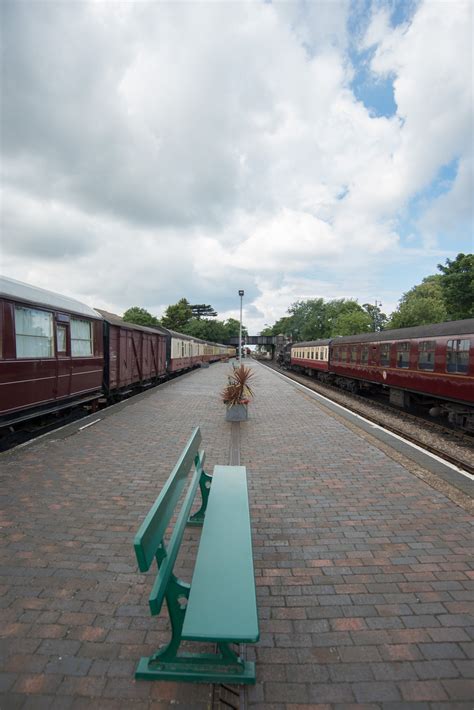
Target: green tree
<point x="178" y="316"/>
<point x="139" y="316"/>
<point x="352" y="323"/>
<point x="378" y="319"/>
<point x="309" y="319"/>
<point x="344" y="316"/>
<point x="201" y="309"/>
<point x="421" y="305"/>
<point x="457" y="285"/>
<point x="206" y="329"/>
<point x="232" y="328"/>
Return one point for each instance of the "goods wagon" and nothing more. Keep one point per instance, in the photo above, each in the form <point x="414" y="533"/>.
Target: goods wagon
<point x="135" y="355"/>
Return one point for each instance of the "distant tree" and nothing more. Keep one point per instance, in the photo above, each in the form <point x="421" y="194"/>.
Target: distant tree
<point x="421" y="305"/>
<point x="232" y="328"/>
<point x="352" y="323"/>
<point x="308" y="319"/>
<point x="139" y="316"/>
<point x="206" y="329"/>
<point x="379" y="319"/>
<point x="178" y="316"/>
<point x="344" y="316"/>
<point x="216" y="331"/>
<point x="201" y="309"/>
<point x="457" y="286"/>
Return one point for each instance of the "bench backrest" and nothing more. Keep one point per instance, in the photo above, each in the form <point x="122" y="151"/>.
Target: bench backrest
<point x="148" y="542"/>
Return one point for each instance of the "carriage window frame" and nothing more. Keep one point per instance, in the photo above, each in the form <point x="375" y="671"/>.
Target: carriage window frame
<point x="43" y="342"/>
<point x="61" y="338"/>
<point x="364" y="355"/>
<point x="457" y="356"/>
<point x="426" y="355"/>
<point x="77" y="342"/>
<point x="385" y="354"/>
<point x="353" y="353"/>
<point x="403" y="355"/>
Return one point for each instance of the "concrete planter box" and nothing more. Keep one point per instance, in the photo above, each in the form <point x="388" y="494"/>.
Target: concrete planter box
<point x="236" y="413"/>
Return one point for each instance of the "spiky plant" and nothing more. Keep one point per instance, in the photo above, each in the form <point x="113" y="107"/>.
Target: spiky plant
<point x="238" y="390"/>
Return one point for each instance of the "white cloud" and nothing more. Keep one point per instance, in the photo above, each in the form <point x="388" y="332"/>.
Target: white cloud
<point x="160" y="150"/>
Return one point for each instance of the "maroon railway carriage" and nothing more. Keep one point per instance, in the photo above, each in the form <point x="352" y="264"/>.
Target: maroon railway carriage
<point x="429" y="364"/>
<point x="51" y="352"/>
<point x="433" y="364"/>
<point x="135" y="355"/>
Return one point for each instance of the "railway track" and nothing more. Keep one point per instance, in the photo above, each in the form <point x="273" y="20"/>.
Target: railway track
<point x="453" y="446"/>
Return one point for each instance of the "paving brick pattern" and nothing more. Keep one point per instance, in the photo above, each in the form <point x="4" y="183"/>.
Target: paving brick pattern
<point x="362" y="570"/>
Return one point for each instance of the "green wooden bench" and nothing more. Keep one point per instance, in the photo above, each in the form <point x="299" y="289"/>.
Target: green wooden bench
<point x="219" y="606"/>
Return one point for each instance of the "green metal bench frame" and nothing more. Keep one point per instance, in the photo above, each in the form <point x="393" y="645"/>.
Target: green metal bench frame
<point x="166" y="664"/>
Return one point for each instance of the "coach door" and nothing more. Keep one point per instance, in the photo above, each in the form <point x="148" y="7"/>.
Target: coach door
<point x="63" y="356"/>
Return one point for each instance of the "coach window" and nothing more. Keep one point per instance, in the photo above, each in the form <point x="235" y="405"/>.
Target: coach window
<point x="364" y="356"/>
<point x="61" y="337"/>
<point x="343" y="354"/>
<point x="354" y="354"/>
<point x="426" y="355"/>
<point x="34" y="333"/>
<point x="403" y="355"/>
<point x="457" y="356"/>
<point x="385" y="354"/>
<point x="81" y="337"/>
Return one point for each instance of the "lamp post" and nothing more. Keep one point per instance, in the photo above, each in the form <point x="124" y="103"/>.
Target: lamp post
<point x="241" y="294"/>
<point x="378" y="305"/>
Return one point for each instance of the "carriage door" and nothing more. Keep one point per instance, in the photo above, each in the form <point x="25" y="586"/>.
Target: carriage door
<point x="63" y="355"/>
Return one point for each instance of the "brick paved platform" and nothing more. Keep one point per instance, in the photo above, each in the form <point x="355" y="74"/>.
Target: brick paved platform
<point x="363" y="571"/>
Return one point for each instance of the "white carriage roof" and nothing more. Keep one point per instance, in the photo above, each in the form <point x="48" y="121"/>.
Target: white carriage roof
<point x="18" y="291"/>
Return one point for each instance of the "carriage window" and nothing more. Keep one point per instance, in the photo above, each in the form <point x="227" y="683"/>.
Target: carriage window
<point x="34" y="333"/>
<point x="426" y="355"/>
<point x="403" y="355"/>
<point x="385" y="354"/>
<point x="81" y="337"/>
<point x="61" y="333"/>
<point x="354" y="354"/>
<point x="343" y="354"/>
<point x="457" y="356"/>
<point x="364" y="356"/>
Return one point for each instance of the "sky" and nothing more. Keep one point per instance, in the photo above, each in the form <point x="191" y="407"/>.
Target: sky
<point x="159" y="150"/>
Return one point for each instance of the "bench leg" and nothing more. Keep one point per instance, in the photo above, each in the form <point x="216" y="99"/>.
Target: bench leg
<point x="204" y="485"/>
<point x="223" y="667"/>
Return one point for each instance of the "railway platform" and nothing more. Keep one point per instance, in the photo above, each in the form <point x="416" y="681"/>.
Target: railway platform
<point x="363" y="570"/>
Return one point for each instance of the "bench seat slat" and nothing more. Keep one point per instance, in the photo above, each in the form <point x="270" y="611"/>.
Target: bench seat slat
<point x="222" y="604"/>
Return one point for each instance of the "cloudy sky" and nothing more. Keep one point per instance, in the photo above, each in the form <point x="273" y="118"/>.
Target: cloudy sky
<point x="155" y="150"/>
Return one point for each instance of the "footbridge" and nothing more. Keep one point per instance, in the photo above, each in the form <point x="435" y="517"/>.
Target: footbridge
<point x="270" y="342"/>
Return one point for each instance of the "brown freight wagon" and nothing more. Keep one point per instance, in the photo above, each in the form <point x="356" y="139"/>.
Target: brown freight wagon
<point x="135" y="356"/>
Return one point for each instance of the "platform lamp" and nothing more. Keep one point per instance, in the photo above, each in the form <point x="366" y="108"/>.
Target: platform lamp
<point x="241" y="294"/>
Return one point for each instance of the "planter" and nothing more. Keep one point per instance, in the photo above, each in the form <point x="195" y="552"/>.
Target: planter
<point x="236" y="413"/>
